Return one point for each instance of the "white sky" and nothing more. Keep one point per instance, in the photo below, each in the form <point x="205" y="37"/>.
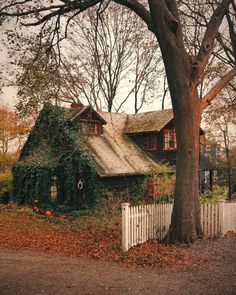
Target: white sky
<point x="9" y="97"/>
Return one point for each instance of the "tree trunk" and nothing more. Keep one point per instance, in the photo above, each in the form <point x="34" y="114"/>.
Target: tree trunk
<point x="229" y="196"/>
<point x="185" y="222"/>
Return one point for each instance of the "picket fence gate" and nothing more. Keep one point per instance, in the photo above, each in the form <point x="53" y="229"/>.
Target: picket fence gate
<point x="141" y="223"/>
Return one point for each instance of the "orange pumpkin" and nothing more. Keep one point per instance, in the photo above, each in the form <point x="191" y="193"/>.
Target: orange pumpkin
<point x="48" y="213"/>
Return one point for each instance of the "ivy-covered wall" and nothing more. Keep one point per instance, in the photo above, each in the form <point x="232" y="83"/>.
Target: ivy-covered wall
<point x="52" y="150"/>
<point x="134" y="187"/>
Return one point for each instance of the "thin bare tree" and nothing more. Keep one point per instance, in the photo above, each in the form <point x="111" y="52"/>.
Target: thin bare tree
<point x="105" y="62"/>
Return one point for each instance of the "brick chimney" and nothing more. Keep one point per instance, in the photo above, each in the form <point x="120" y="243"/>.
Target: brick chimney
<point x="76" y="105"/>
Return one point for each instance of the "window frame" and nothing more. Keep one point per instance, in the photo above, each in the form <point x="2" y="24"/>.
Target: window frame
<point x="168" y="131"/>
<point x="97" y="128"/>
<point x="53" y="188"/>
<point x="155" y="148"/>
<point x="91" y="127"/>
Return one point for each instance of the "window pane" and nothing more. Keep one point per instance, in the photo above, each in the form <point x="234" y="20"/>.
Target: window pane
<point x="152" y="142"/>
<point x="97" y="128"/>
<point x="53" y="188"/>
<point x="169" y="139"/>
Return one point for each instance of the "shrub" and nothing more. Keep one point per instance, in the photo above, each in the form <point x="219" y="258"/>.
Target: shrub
<point x="218" y="193"/>
<point x="5" y="184"/>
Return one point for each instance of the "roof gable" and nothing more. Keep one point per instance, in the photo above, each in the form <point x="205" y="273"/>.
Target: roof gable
<point x="52" y="131"/>
<point x="148" y="122"/>
<point x="86" y="113"/>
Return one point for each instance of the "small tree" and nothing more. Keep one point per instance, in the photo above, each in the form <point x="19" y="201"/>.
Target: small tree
<point x="12" y="135"/>
<point x="223" y="129"/>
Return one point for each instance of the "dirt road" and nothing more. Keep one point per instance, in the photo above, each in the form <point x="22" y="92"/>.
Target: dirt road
<point x="25" y="272"/>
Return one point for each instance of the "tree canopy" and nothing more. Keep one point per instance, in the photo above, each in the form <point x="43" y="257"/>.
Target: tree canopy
<point x="104" y="62"/>
<point x="12" y="135"/>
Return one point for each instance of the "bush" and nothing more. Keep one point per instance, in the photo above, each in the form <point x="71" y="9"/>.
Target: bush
<point x="219" y="193"/>
<point x="5" y="185"/>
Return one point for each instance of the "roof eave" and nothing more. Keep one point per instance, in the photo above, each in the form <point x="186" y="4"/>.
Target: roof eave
<point x="82" y="110"/>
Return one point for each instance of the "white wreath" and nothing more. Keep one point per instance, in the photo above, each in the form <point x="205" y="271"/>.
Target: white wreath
<point x="80" y="185"/>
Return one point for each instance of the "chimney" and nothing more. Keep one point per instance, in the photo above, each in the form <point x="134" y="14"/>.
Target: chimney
<point x="76" y="105"/>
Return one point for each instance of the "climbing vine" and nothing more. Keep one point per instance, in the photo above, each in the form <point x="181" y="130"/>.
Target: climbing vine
<point x="52" y="149"/>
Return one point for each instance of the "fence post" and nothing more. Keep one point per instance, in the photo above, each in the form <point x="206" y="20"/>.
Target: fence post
<point x="221" y="217"/>
<point x="125" y="226"/>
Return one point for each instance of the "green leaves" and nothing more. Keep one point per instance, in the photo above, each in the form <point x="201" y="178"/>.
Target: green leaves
<point x="52" y="149"/>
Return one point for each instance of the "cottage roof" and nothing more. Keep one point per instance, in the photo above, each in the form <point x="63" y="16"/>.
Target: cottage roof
<point x="78" y="112"/>
<point x="114" y="154"/>
<point x="148" y="121"/>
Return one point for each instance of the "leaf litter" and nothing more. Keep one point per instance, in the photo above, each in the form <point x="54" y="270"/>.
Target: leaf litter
<point x="88" y="238"/>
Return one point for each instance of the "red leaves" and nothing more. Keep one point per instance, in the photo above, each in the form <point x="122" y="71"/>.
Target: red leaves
<point x="89" y="238"/>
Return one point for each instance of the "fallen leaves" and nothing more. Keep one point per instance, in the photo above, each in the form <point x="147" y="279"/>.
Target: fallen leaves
<point x="93" y="239"/>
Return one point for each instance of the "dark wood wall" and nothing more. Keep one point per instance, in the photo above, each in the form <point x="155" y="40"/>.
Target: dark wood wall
<point x="168" y="156"/>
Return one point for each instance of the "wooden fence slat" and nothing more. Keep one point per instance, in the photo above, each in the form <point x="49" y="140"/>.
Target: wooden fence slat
<point x="132" y="226"/>
<point x="141" y="223"/>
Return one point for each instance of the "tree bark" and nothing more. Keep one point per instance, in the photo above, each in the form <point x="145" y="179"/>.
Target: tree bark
<point x="185" y="223"/>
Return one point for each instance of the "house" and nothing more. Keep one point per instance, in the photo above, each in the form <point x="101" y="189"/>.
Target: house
<point x="73" y="154"/>
<point x="210" y="153"/>
<point x="211" y="149"/>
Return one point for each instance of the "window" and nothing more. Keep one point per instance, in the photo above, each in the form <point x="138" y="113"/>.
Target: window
<point x="169" y="139"/>
<point x="97" y="128"/>
<point x="53" y="188"/>
<point x="92" y="128"/>
<point x="151" y="142"/>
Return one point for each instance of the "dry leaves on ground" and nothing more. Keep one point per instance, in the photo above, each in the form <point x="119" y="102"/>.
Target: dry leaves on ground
<point x="24" y="230"/>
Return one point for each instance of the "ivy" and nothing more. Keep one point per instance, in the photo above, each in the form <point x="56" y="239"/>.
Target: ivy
<point x="52" y="149"/>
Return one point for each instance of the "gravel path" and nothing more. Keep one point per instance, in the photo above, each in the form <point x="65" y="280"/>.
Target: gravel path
<point x="25" y="272"/>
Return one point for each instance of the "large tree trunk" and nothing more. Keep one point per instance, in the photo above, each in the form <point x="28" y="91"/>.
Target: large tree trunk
<point x="185" y="223"/>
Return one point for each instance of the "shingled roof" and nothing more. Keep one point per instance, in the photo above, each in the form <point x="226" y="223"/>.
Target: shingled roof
<point x="148" y="122"/>
<point x="114" y="153"/>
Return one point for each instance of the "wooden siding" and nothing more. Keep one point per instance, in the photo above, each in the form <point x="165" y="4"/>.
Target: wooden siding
<point x="89" y="116"/>
<point x="140" y="139"/>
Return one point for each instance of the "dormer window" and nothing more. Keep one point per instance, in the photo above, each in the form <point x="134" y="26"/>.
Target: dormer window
<point x="169" y="139"/>
<point x="91" y="122"/>
<point x="92" y="128"/>
<point x="98" y="128"/>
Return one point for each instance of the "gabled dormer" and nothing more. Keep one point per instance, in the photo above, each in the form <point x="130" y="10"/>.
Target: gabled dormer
<point x="91" y="122"/>
<point x="155" y="133"/>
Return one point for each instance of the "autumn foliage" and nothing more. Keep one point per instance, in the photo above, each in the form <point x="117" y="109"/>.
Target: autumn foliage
<point x="12" y="135"/>
<point x="89" y="236"/>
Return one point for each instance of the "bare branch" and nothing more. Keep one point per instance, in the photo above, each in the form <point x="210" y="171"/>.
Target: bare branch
<point x="232" y="33"/>
<point x="207" y="99"/>
<point x="139" y="9"/>
<point x="58" y="10"/>
<point x="208" y="40"/>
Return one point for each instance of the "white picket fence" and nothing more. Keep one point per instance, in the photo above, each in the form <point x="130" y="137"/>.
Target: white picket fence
<point x="141" y="223"/>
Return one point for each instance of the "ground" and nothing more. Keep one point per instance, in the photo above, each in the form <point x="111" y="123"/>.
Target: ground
<point x="25" y="272"/>
<point x="54" y="256"/>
